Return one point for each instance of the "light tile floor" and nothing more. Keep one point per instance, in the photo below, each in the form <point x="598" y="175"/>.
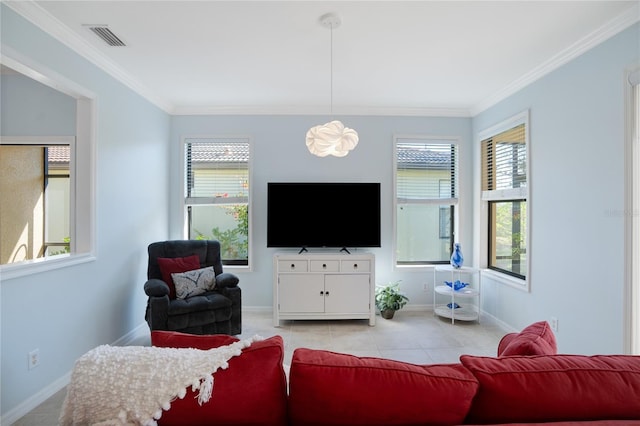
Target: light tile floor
<point x="411" y="336"/>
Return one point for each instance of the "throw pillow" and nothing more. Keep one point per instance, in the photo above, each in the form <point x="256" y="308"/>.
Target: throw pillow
<point x="536" y="339"/>
<point x="192" y="283"/>
<point x="172" y="265"/>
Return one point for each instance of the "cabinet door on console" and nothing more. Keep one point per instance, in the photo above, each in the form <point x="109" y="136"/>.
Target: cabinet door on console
<point x="301" y="293"/>
<point x="347" y="293"/>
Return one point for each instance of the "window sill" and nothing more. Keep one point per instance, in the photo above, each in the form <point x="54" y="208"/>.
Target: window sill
<point x="30" y="267"/>
<point x="505" y="279"/>
<point x="237" y="268"/>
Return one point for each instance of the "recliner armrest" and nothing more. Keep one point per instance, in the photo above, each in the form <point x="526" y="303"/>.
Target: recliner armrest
<point x="227" y="279"/>
<point x="156" y="288"/>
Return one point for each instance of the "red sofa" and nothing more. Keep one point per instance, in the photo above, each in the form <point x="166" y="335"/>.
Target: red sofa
<point x="526" y="383"/>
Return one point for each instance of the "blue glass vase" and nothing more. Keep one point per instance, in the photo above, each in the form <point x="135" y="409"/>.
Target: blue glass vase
<point x="456" y="257"/>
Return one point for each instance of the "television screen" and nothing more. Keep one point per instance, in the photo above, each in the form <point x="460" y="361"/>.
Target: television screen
<point x="344" y="215"/>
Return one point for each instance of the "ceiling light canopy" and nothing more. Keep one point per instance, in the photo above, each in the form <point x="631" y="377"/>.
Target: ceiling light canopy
<point x="331" y="138"/>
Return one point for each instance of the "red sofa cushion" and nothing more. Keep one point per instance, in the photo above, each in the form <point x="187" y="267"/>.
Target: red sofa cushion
<point x="536" y="339"/>
<point x="328" y="388"/>
<point x="176" y="265"/>
<point x="251" y="391"/>
<point x="554" y="388"/>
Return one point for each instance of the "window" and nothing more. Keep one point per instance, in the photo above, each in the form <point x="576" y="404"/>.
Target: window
<point x="504" y="169"/>
<point x="35" y="183"/>
<point x="217" y="194"/>
<point x="60" y="229"/>
<point x="426" y="191"/>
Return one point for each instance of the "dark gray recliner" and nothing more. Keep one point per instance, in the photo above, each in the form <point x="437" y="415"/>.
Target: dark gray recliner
<point x="214" y="312"/>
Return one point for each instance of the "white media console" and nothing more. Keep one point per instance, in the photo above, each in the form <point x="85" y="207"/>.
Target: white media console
<point x="323" y="286"/>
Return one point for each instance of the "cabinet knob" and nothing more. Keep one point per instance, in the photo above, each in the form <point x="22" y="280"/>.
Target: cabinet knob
<point x="326" y="293"/>
<point x="293" y="266"/>
<point x="324" y="266"/>
<point x="321" y="293"/>
<point x="355" y="266"/>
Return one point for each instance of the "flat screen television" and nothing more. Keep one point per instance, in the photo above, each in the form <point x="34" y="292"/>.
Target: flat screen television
<point x="323" y="214"/>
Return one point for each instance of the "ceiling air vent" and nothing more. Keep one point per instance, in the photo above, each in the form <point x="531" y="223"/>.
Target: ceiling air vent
<point x="106" y="34"/>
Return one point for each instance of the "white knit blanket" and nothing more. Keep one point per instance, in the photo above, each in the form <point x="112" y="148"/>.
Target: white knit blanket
<point x="131" y="385"/>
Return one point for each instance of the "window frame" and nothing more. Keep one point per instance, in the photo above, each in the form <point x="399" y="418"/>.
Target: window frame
<point x="81" y="169"/>
<point x="451" y="203"/>
<point x="194" y="201"/>
<point x="486" y="197"/>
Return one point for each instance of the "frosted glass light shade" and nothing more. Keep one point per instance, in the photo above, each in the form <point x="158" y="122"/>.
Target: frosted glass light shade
<point x="331" y="139"/>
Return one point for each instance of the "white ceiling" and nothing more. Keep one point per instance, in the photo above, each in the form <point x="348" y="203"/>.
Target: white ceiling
<point x="452" y="58"/>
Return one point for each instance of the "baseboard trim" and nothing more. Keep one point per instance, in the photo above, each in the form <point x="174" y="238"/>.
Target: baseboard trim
<point x="36" y="399"/>
<point x="257" y="308"/>
<point x="503" y="325"/>
<point x="134" y="335"/>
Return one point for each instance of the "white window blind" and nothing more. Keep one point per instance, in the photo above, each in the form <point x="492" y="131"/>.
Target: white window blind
<point x="426" y="172"/>
<point x="504" y="160"/>
<point x="217" y="170"/>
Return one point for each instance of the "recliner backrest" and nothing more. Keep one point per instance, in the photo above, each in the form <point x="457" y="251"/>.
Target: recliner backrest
<point x="207" y="250"/>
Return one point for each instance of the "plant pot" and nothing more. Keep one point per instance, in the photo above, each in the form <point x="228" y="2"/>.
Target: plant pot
<point x="387" y="313"/>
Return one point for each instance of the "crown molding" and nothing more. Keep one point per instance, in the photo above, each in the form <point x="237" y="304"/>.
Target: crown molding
<point x="42" y="19"/>
<point x="606" y="31"/>
<point x="297" y="110"/>
<point x="31" y="11"/>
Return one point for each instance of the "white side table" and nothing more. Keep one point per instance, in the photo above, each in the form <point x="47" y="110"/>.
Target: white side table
<point x="463" y="304"/>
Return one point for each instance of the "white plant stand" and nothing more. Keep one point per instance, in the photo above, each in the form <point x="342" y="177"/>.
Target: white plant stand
<point x="445" y="298"/>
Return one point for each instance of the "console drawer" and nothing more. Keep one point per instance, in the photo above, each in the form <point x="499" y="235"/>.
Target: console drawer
<point x="293" y="266"/>
<point x="355" y="266"/>
<point x="324" y="266"/>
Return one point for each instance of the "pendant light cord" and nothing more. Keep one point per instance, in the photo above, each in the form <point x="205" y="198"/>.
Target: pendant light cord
<point x="331" y="69"/>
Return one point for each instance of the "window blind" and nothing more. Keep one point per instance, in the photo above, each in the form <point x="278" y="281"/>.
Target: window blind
<point x="217" y="170"/>
<point x="504" y="162"/>
<point x="426" y="171"/>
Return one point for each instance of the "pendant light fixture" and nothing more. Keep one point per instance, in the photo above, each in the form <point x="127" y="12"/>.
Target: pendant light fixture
<point x="332" y="138"/>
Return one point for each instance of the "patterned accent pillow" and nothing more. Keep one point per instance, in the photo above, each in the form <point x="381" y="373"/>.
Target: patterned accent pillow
<point x="192" y="283"/>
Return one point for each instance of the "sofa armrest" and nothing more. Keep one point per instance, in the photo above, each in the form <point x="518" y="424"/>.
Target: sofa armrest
<point x="251" y="391"/>
<point x="227" y="279"/>
<point x="156" y="288"/>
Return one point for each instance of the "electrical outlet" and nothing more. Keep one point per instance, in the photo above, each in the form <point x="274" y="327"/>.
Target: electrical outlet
<point x="554" y="324"/>
<point x="34" y="358"/>
<point x="425" y="287"/>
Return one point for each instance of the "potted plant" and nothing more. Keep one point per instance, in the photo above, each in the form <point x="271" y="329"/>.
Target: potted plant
<point x="389" y="299"/>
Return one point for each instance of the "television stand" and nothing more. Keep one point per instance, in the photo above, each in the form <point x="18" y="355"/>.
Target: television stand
<point x="319" y="286"/>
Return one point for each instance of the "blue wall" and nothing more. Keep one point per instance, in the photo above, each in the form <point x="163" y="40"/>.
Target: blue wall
<point x="280" y="154"/>
<point x="30" y="108"/>
<point x="67" y="311"/>
<point x="577" y="145"/>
